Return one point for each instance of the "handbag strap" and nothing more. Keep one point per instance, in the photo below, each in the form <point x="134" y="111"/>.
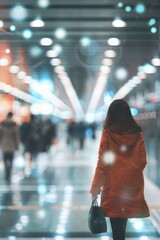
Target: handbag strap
<point x="94" y="202"/>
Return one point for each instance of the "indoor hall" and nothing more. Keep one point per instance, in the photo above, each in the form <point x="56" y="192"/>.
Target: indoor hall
<point x="62" y="63"/>
<point x="54" y="200"/>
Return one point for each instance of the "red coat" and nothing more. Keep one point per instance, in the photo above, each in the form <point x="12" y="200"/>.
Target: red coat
<point x="119" y="174"/>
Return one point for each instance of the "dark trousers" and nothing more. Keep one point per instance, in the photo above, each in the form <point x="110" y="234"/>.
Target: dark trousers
<point x="8" y="162"/>
<point x="118" y="226"/>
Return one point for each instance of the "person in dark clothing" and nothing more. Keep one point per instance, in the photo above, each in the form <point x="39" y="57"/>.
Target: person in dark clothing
<point x="9" y="143"/>
<point x="81" y="134"/>
<point x="48" y="135"/>
<point x="30" y="137"/>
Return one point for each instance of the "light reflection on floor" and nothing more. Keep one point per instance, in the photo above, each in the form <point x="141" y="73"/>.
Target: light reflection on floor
<point x="54" y="200"/>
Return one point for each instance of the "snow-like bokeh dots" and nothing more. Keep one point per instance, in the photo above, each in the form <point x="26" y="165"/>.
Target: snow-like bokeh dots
<point x="109" y="157"/>
<point x="123" y="148"/>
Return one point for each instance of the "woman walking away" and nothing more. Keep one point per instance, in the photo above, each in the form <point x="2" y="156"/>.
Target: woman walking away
<point x="9" y="143"/>
<point x="119" y="172"/>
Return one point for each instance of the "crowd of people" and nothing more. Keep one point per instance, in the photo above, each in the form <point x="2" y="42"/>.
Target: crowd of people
<point x="34" y="136"/>
<point x="37" y="136"/>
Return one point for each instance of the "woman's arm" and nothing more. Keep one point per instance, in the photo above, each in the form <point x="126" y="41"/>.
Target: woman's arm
<point x="100" y="168"/>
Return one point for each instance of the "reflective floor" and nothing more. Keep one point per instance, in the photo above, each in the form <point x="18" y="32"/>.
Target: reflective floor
<point x="52" y="202"/>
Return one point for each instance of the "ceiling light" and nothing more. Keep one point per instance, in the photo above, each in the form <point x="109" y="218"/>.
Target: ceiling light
<point x="1" y="23"/>
<point x="120" y="4"/>
<point x="18" y="13"/>
<point x="43" y="3"/>
<point x="7" y="50"/>
<point x="55" y="62"/>
<point x="128" y="9"/>
<point x="27" y="34"/>
<point x="149" y="69"/>
<point x="121" y="73"/>
<point x="107" y="61"/>
<point x="21" y="75"/>
<point x="85" y="41"/>
<point x="37" y="23"/>
<point x="118" y="23"/>
<point x="57" y="48"/>
<point x="4" y="62"/>
<point x="152" y="21"/>
<point x="153" y="29"/>
<point x="46" y="41"/>
<point x="140" y="8"/>
<point x="156" y="62"/>
<point x="12" y="28"/>
<point x="13" y="69"/>
<point x="51" y="53"/>
<point x="60" y="33"/>
<point x="141" y="75"/>
<point x="35" y="51"/>
<point x="105" y="69"/>
<point x="110" y="53"/>
<point x="59" y="69"/>
<point x="114" y="41"/>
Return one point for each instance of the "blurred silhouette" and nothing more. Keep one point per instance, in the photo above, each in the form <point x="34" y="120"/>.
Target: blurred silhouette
<point x="9" y="142"/>
<point x="30" y="137"/>
<point x="80" y="134"/>
<point x="71" y="134"/>
<point x="48" y="135"/>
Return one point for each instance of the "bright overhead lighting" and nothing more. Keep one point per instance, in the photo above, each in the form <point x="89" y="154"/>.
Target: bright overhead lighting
<point x="120" y="4"/>
<point x="152" y="21"/>
<point x="7" y="50"/>
<point x="141" y="75"/>
<point x="110" y="53"/>
<point x="4" y="62"/>
<point x="1" y="23"/>
<point x="114" y="41"/>
<point x="156" y="62"/>
<point x="128" y="9"/>
<point x="60" y="33"/>
<point x="27" y="34"/>
<point x="35" y="51"/>
<point x="51" y="53"/>
<point x="107" y="62"/>
<point x="121" y="73"/>
<point x="119" y="23"/>
<point x="21" y="75"/>
<point x="37" y="23"/>
<point x="57" y="48"/>
<point x="12" y="28"/>
<point x="59" y="69"/>
<point x="55" y="62"/>
<point x="18" y="12"/>
<point x="105" y="69"/>
<point x="46" y="41"/>
<point x="43" y="3"/>
<point x="140" y="8"/>
<point x="14" y="69"/>
<point x="153" y="30"/>
<point x="149" y="69"/>
<point x="85" y="41"/>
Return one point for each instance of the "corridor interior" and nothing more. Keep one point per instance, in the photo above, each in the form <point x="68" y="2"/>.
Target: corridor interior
<point x="53" y="201"/>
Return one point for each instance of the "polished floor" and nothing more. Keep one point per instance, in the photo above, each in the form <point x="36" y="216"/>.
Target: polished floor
<point x="52" y="202"/>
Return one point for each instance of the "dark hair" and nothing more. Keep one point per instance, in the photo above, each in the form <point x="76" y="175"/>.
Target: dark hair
<point x="119" y="113"/>
<point x="9" y="115"/>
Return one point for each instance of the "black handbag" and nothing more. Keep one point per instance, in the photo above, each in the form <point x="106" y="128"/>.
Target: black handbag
<point x="96" y="219"/>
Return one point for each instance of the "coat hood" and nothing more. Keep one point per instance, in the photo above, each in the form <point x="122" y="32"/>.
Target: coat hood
<point x="123" y="135"/>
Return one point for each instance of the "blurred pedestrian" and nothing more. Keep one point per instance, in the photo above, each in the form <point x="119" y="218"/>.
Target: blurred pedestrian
<point x="31" y="138"/>
<point x="9" y="142"/>
<point x="48" y="135"/>
<point x="119" y="172"/>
